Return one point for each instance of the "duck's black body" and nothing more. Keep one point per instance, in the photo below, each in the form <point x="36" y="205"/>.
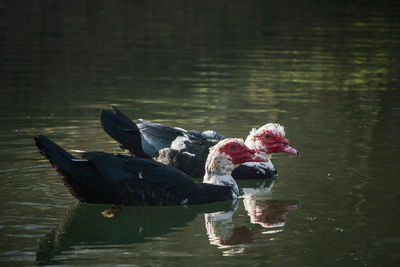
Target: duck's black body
<point x="254" y="171"/>
<point x="105" y="178"/>
<point x="159" y="142"/>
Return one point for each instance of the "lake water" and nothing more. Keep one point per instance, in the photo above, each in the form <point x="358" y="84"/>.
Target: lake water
<point x="329" y="71"/>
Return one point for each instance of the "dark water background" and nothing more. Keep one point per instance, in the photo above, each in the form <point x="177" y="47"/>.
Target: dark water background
<point x="327" y="70"/>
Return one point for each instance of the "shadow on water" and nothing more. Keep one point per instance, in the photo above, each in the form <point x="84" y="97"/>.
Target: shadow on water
<point x="85" y="226"/>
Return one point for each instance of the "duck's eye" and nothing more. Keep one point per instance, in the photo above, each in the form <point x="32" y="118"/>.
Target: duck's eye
<point x="233" y="147"/>
<point x="267" y="136"/>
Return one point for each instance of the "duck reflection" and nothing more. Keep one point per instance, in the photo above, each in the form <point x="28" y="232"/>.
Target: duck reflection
<point x="227" y="224"/>
<point x="90" y="225"/>
<point x="263" y="211"/>
<point x="223" y="232"/>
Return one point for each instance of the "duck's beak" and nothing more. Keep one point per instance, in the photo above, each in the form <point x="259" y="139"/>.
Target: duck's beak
<point x="258" y="159"/>
<point x="291" y="150"/>
<point x="252" y="157"/>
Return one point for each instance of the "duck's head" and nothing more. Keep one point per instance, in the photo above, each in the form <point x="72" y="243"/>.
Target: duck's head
<point x="228" y="154"/>
<point x="269" y="139"/>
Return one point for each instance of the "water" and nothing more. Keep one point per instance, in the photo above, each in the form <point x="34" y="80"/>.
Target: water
<point x="329" y="72"/>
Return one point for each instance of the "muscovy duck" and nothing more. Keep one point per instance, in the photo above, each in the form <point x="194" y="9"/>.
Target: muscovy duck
<point x="100" y="177"/>
<point x="187" y="150"/>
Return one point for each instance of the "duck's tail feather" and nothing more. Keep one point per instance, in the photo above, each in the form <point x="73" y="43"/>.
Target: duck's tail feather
<point x="77" y="174"/>
<point x="123" y="130"/>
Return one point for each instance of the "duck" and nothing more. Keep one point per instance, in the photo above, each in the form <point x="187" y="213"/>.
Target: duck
<point x="187" y="150"/>
<point x="104" y="178"/>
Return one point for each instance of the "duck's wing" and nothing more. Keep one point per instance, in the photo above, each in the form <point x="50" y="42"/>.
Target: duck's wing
<point x="255" y="170"/>
<point x="139" y="181"/>
<point x="157" y="136"/>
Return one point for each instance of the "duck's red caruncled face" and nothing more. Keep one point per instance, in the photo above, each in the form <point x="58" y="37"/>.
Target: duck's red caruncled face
<point x="274" y="142"/>
<point x="240" y="153"/>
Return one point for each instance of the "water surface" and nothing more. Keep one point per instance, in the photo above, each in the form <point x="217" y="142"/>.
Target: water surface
<point x="328" y="72"/>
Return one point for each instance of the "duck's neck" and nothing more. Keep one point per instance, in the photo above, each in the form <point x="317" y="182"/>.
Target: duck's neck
<point x="219" y="173"/>
<point x="222" y="179"/>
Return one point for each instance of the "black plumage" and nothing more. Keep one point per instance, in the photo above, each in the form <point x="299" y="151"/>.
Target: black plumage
<point x="106" y="178"/>
<point x="254" y="172"/>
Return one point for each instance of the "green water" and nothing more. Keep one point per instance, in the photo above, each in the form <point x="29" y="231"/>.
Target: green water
<point x="328" y="71"/>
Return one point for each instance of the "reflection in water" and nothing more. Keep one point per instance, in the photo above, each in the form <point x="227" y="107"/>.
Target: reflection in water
<point x="220" y="227"/>
<point x="84" y="226"/>
<point x="269" y="213"/>
<point x="262" y="210"/>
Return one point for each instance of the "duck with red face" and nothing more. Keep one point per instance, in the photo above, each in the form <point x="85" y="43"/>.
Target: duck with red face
<point x="105" y="178"/>
<point x="224" y="158"/>
<point x="265" y="140"/>
<point x="270" y="139"/>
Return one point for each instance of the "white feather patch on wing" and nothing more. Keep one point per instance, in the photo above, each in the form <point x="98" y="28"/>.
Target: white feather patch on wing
<point x="77" y="151"/>
<point x="189" y="154"/>
<point x="179" y="143"/>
